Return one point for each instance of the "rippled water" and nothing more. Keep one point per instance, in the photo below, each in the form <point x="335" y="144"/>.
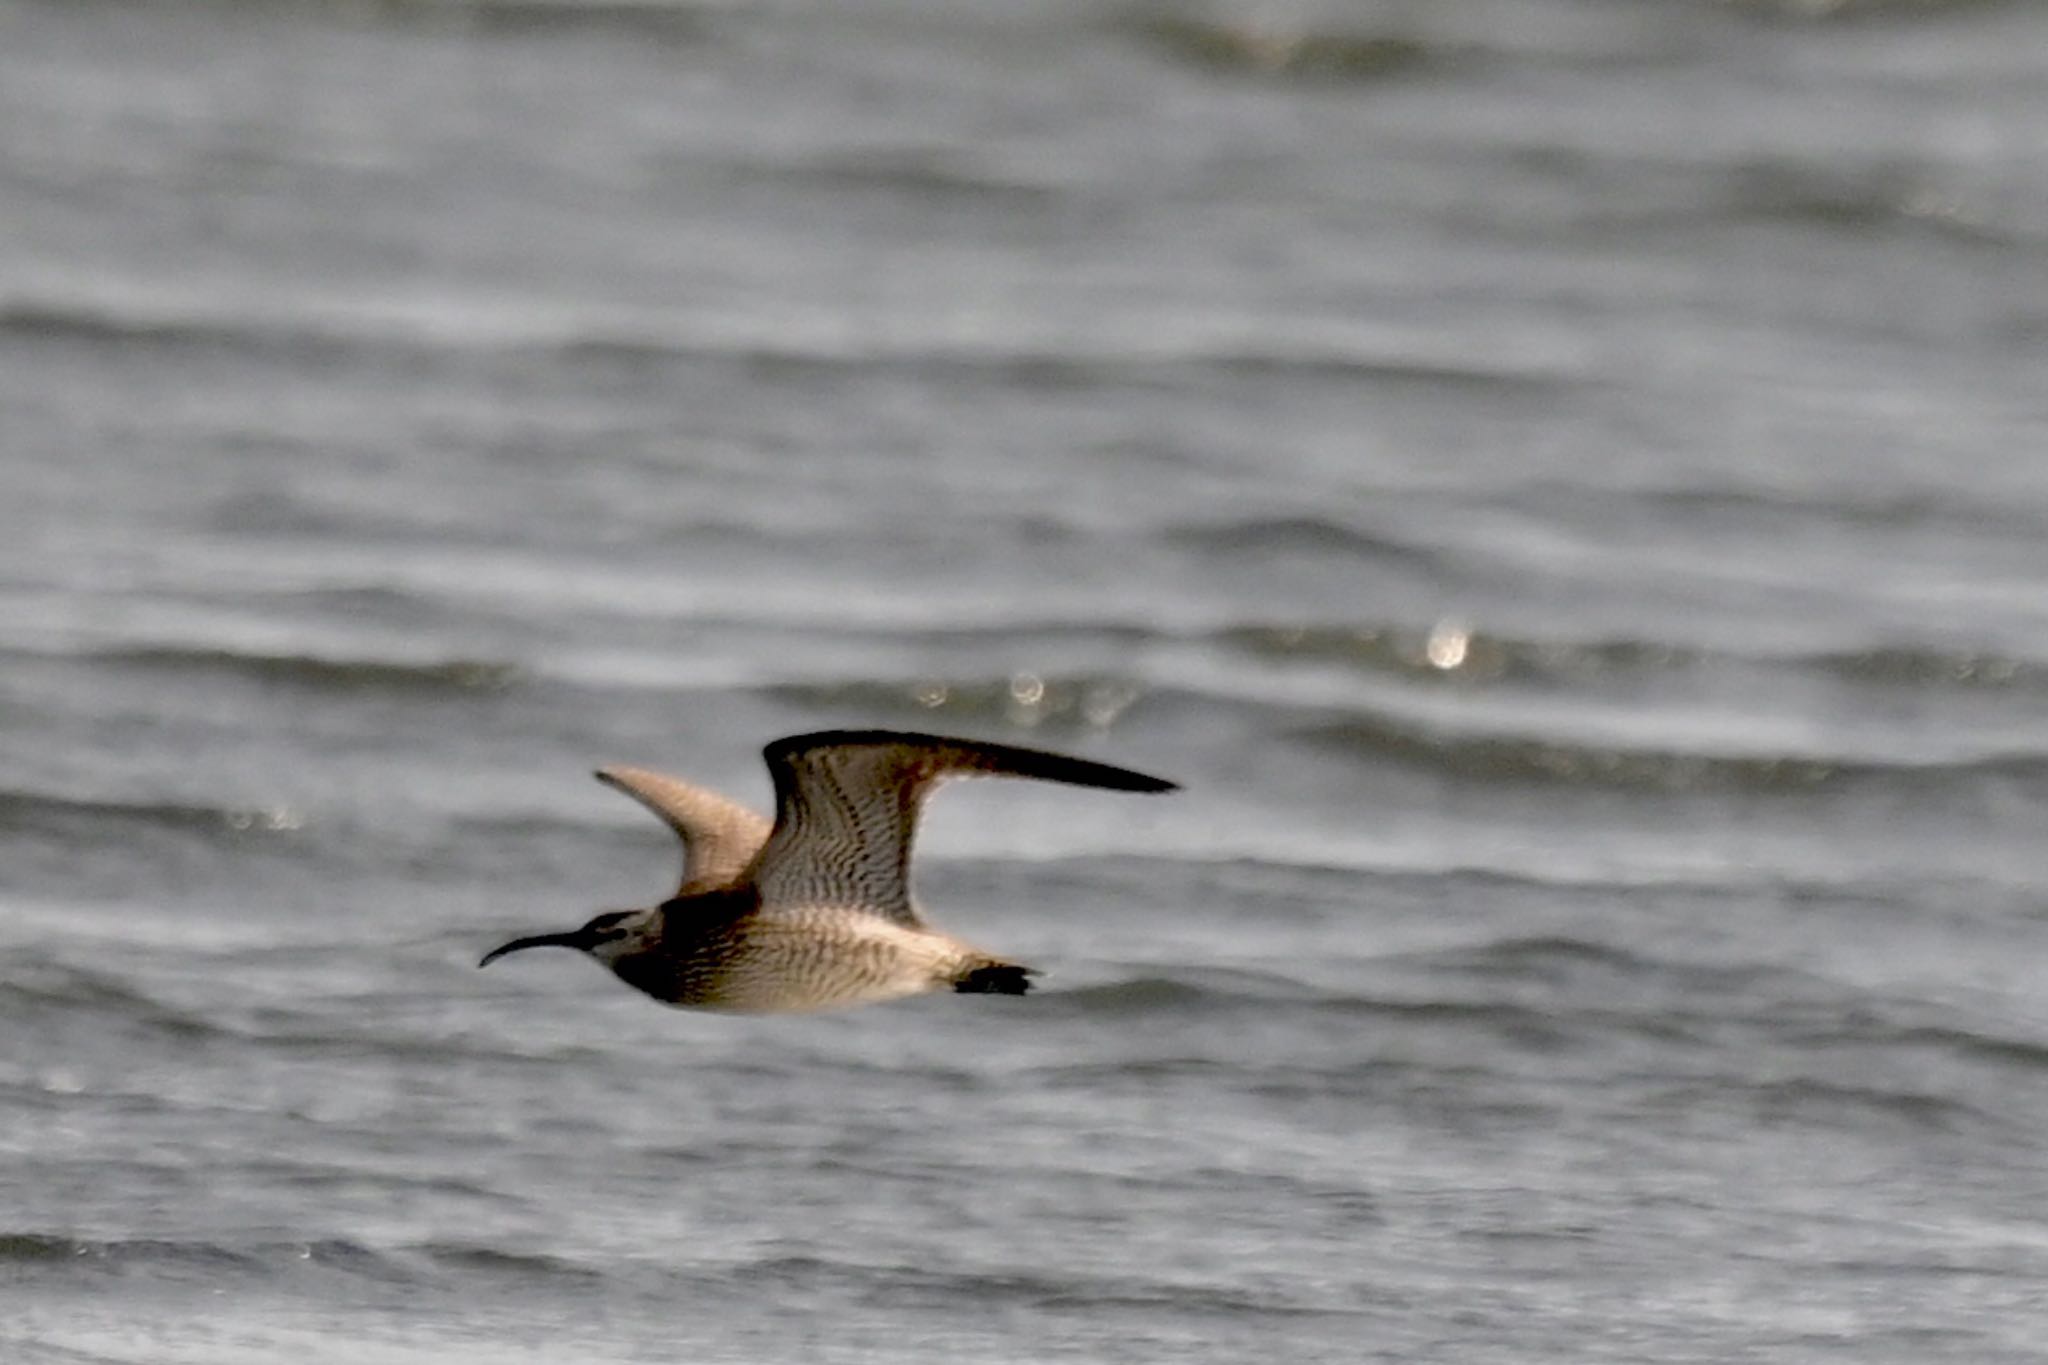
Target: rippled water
<point x="1562" y="484"/>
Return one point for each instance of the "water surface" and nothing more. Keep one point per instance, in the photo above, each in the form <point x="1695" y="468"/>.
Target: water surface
<point x="1561" y="484"/>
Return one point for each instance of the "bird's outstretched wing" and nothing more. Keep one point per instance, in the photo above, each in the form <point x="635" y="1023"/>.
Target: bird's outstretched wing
<point x="720" y="836"/>
<point x="846" y="807"/>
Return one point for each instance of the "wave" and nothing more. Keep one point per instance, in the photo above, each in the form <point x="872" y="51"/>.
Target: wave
<point x="182" y="1257"/>
<point x="267" y="1259"/>
<point x="1807" y="196"/>
<point x="1975" y="1045"/>
<point x="26" y="1249"/>
<point x="1253" y="48"/>
<point x="97" y="992"/>
<point x="1825" y="1103"/>
<point x="1070" y="702"/>
<point x="504" y="1263"/>
<point x="1273" y="535"/>
<point x="361" y="601"/>
<point x="1536" y="760"/>
<point x="1448" y="647"/>
<point x="951" y="1287"/>
<point x="350" y="1023"/>
<point x="1553" y="961"/>
<point x="322" y="671"/>
<point x="322" y="330"/>
<point x="136" y="324"/>
<point x="1448" y="650"/>
<point x="1040" y="365"/>
<point x="676" y="21"/>
<point x="1540" y="955"/>
<point x="1809" y="12"/>
<point x="69" y="818"/>
<point x="1919" y="667"/>
<point x="921" y="173"/>
<point x="1257" y="870"/>
<point x="1499" y="1023"/>
<point x="1756" y="503"/>
<point x="1211" y="990"/>
<point x="523" y="1270"/>
<point x="1453" y="648"/>
<point x="1529" y="759"/>
<point x="1802" y="192"/>
<point x="1033" y="362"/>
<point x="1954" y="1040"/>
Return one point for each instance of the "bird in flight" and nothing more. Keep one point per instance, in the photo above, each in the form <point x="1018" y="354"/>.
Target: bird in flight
<point x="813" y="911"/>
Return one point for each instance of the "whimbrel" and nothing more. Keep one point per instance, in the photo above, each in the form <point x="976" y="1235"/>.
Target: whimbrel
<point x="814" y="911"/>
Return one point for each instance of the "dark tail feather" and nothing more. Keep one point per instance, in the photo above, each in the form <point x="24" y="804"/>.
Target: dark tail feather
<point x="994" y="978"/>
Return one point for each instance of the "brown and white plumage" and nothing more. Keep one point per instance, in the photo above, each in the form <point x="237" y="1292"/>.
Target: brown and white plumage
<point x="815" y="910"/>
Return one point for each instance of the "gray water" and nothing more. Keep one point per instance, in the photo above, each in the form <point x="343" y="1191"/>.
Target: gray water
<point x="1563" y="485"/>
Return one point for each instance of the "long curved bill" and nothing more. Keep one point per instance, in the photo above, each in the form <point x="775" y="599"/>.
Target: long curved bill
<point x="574" y="939"/>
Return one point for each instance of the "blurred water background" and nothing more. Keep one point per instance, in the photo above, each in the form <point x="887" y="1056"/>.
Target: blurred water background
<point x="1562" y="482"/>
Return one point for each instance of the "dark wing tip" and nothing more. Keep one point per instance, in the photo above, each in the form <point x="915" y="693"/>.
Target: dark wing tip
<point x="1001" y="758"/>
<point x="1088" y="773"/>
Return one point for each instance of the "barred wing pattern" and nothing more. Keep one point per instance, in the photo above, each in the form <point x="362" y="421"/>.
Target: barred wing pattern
<point x="847" y="802"/>
<point x="720" y="836"/>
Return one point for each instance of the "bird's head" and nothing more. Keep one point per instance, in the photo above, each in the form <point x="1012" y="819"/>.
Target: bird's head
<point x="605" y="937"/>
